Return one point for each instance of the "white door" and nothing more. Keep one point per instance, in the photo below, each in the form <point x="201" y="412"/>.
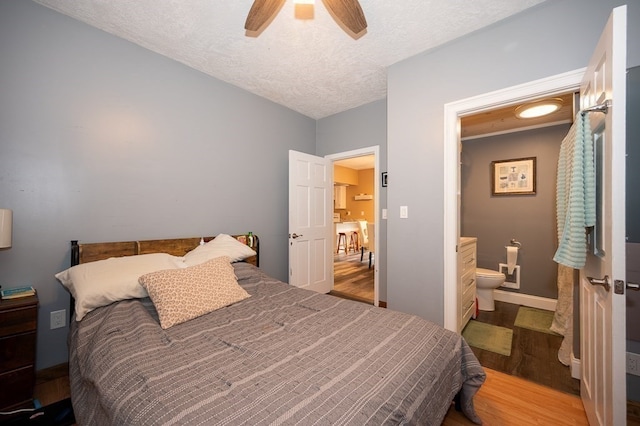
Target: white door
<point x="602" y="310"/>
<point x="310" y="222"/>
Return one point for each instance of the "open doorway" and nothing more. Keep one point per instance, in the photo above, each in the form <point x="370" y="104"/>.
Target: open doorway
<point x="455" y="113"/>
<point x="524" y="305"/>
<point x="559" y="84"/>
<point x="356" y="201"/>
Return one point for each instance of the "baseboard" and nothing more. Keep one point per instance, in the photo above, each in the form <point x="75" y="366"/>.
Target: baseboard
<point x="52" y="373"/>
<point x="525" y="300"/>
<point x="576" y="367"/>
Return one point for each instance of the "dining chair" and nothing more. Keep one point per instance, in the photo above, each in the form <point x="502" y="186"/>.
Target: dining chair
<point x="371" y="236"/>
<point x="364" y="240"/>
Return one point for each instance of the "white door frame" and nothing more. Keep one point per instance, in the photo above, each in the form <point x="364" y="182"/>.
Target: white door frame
<point x="375" y="151"/>
<point x="561" y="83"/>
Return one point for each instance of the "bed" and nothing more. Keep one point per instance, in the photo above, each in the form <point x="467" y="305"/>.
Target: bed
<point x="281" y="355"/>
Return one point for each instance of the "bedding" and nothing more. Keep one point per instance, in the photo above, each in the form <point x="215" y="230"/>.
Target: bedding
<point x="109" y="280"/>
<point x="103" y="273"/>
<point x="221" y="245"/>
<point x="284" y="355"/>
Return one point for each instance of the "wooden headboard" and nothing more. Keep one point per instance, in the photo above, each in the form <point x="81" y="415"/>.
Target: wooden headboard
<point x="89" y="252"/>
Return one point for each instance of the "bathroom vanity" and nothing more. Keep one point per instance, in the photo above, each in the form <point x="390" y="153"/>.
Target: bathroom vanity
<point x="466" y="280"/>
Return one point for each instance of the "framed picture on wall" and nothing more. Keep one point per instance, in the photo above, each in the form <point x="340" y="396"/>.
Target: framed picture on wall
<point x="513" y="177"/>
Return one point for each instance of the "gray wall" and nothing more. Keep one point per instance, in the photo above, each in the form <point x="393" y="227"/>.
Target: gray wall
<point x="89" y="124"/>
<point x="530" y="219"/>
<point x="512" y="52"/>
<point x="103" y="140"/>
<point x="357" y="128"/>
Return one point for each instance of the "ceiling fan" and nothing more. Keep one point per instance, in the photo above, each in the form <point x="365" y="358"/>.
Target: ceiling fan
<point x="347" y="14"/>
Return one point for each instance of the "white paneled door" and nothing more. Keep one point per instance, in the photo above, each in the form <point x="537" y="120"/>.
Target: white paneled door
<point x="310" y="222"/>
<point x="602" y="301"/>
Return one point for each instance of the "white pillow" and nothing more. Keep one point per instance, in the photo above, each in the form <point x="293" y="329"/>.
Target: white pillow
<point x="222" y="245"/>
<point x="103" y="282"/>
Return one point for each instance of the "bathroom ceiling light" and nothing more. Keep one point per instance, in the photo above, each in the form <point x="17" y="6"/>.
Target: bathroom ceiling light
<point x="538" y="108"/>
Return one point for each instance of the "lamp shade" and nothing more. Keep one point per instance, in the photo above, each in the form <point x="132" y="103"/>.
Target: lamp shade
<point x="6" y="224"/>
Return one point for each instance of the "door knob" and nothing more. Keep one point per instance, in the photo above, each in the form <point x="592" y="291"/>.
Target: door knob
<point x="604" y="282"/>
<point x="294" y="235"/>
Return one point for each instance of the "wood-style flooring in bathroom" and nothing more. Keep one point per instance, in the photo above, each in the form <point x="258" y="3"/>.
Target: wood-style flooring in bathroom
<point x="534" y="355"/>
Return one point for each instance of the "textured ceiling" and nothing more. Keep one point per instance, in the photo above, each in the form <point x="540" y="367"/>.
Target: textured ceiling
<point x="310" y="66"/>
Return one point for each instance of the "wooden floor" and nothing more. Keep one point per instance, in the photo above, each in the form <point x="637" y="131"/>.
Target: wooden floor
<point x="508" y="400"/>
<point x="353" y="277"/>
<point x="534" y="355"/>
<point x="52" y="385"/>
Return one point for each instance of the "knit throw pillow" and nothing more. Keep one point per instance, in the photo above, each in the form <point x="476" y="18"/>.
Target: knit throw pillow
<point x="180" y="295"/>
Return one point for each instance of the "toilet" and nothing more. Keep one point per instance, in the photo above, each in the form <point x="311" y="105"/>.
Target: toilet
<point x="487" y="280"/>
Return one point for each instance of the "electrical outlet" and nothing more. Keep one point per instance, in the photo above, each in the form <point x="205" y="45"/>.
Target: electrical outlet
<point x="58" y="319"/>
<point x="633" y="363"/>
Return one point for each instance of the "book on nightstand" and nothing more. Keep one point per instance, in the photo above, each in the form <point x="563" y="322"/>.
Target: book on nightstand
<point x="17" y="292"/>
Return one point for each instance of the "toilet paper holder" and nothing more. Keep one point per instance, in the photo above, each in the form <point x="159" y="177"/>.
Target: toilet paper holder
<point x="513" y="242"/>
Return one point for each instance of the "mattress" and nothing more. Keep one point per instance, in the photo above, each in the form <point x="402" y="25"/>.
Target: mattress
<point x="283" y="356"/>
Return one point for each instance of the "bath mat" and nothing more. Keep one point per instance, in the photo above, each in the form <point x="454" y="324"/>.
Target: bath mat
<point x="488" y="337"/>
<point x="535" y="319"/>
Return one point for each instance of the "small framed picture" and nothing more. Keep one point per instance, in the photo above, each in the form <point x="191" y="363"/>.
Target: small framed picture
<point x="513" y="177"/>
<point x="384" y="178"/>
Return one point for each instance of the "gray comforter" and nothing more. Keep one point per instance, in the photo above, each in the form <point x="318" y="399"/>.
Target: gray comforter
<point x="282" y="356"/>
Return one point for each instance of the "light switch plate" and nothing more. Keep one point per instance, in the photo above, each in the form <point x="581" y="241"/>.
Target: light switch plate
<point x="404" y="212"/>
<point x="384" y="213"/>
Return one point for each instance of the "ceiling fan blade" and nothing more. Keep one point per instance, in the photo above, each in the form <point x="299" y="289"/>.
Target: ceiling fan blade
<point x="349" y="13"/>
<point x="261" y="12"/>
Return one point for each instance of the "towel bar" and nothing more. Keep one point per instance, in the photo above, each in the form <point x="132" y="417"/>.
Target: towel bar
<point x="603" y="108"/>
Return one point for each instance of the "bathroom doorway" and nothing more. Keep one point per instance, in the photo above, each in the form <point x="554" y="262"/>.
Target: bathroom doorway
<point x="488" y="142"/>
<point x="496" y="136"/>
<point x="453" y="112"/>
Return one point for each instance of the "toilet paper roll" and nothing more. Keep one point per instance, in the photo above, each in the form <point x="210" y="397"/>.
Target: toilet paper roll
<point x="512" y="258"/>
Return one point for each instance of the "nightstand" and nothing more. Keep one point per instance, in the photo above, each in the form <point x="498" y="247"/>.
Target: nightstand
<point x="18" y="321"/>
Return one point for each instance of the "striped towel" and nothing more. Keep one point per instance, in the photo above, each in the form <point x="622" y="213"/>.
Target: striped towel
<point x="575" y="194"/>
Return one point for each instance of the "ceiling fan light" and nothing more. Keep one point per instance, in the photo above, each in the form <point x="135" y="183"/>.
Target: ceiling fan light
<point x="303" y="9"/>
<point x="538" y="108"/>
